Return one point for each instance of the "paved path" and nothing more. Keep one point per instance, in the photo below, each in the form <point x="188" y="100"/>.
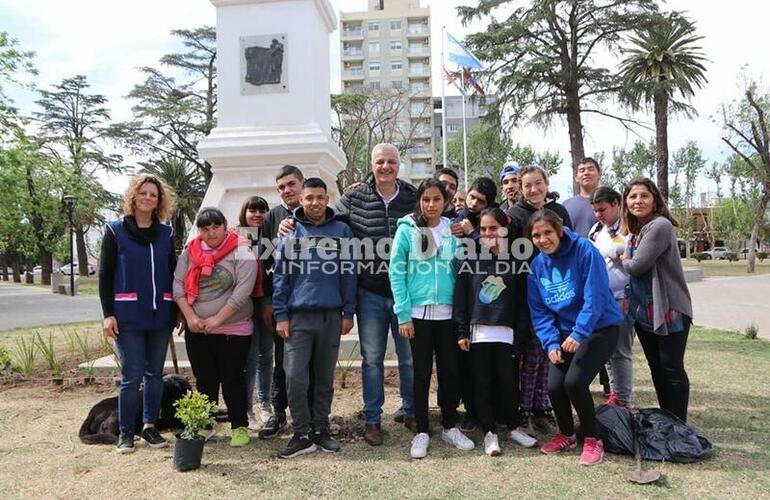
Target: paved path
<point x="733" y="303"/>
<point x="30" y="306"/>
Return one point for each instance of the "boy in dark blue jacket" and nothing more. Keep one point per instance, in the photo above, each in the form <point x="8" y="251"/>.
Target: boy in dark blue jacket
<point x="314" y="299"/>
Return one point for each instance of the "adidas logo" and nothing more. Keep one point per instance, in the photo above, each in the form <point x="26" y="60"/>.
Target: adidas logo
<point x="558" y="288"/>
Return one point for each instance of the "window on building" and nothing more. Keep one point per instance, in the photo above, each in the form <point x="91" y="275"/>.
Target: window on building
<point x="374" y="85"/>
<point x="374" y="47"/>
<point x="451" y="127"/>
<point x="395" y="25"/>
<point x="396" y="65"/>
<point x="374" y="66"/>
<point x="396" y="45"/>
<point x="397" y="84"/>
<point x="373" y="26"/>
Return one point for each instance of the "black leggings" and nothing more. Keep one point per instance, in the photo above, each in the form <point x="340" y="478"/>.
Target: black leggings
<point x="568" y="381"/>
<point x="435" y="336"/>
<point x="665" y="357"/>
<point x="495" y="376"/>
<point x="221" y="359"/>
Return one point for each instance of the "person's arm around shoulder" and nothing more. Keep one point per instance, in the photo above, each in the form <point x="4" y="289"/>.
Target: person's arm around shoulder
<point x="654" y="240"/>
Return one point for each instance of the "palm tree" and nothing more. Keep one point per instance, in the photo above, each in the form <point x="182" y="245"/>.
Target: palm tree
<point x="663" y="62"/>
<point x="189" y="186"/>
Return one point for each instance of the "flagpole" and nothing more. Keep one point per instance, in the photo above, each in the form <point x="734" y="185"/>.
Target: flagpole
<point x="465" y="138"/>
<point x="443" y="99"/>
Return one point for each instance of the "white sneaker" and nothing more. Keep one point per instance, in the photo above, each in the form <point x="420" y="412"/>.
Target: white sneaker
<point x="457" y="439"/>
<point x="253" y="424"/>
<point x="420" y="445"/>
<point x="521" y="438"/>
<point x="491" y="446"/>
<point x="265" y="411"/>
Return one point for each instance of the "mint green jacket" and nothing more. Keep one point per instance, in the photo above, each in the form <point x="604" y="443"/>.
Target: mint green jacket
<point x="417" y="277"/>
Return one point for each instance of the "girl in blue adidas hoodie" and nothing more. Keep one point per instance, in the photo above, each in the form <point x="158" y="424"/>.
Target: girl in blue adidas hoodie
<point x="422" y="271"/>
<point x="576" y="319"/>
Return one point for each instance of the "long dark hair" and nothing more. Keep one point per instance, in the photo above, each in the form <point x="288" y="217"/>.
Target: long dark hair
<point x="498" y="214"/>
<point x="629" y="221"/>
<point x="251" y="203"/>
<point x="419" y="218"/>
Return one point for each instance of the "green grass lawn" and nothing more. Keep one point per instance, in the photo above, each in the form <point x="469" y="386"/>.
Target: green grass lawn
<point x="716" y="268"/>
<point x="88" y="285"/>
<point x="730" y="405"/>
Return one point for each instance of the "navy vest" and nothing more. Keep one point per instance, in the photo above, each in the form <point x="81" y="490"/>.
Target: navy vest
<point x="142" y="285"/>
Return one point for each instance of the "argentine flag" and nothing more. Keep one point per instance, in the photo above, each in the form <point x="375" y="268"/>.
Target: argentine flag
<point x="460" y="55"/>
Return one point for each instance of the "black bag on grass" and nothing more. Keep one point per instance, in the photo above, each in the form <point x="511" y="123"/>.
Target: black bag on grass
<point x="615" y="427"/>
<point x="663" y="436"/>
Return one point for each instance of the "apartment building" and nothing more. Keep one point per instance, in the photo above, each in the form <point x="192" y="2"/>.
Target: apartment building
<point x="388" y="47"/>
<point x="475" y="109"/>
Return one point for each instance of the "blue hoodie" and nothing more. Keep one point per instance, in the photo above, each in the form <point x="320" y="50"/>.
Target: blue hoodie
<point x="325" y="280"/>
<point x="569" y="293"/>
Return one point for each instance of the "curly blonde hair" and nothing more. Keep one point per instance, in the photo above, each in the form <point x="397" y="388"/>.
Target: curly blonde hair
<point x="165" y="196"/>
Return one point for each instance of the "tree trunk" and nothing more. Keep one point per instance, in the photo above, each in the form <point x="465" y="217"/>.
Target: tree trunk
<point x="575" y="128"/>
<point x="4" y="267"/>
<point x="661" y="142"/>
<point x="760" y="217"/>
<point x="82" y="251"/>
<point x="16" y="266"/>
<point x="46" y="263"/>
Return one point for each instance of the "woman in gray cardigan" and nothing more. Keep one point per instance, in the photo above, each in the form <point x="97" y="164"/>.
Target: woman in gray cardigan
<point x="659" y="299"/>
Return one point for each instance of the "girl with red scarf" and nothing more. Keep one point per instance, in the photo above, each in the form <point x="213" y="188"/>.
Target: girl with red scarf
<point x="213" y="283"/>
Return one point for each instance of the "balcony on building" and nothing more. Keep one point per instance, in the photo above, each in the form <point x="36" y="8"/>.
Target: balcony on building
<point x="421" y="169"/>
<point x="352" y="52"/>
<point x="420" y="150"/>
<point x="417" y="50"/>
<point x="353" y="73"/>
<point x="352" y="31"/>
<point x="417" y="29"/>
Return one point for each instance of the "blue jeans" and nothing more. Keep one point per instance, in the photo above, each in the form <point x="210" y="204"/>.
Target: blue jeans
<point x="142" y="355"/>
<point x="375" y="317"/>
<point x="259" y="364"/>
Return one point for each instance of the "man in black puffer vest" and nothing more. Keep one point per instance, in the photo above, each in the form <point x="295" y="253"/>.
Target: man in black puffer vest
<point x="372" y="209"/>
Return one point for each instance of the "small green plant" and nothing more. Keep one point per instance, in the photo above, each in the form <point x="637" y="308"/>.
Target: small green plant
<point x="699" y="256"/>
<point x="6" y="363"/>
<point x="761" y="256"/>
<point x="25" y="355"/>
<point x="86" y="351"/>
<point x="731" y="256"/>
<point x="195" y="411"/>
<point x="49" y="353"/>
<point x="72" y="343"/>
<point x="751" y="331"/>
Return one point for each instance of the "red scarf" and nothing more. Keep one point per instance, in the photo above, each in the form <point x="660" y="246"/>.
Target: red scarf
<point x="202" y="263"/>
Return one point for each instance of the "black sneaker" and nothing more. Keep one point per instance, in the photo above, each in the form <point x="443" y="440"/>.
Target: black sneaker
<point x="326" y="442"/>
<point x="153" y="438"/>
<point x="125" y="443"/>
<point x="469" y="423"/>
<point x="275" y="425"/>
<point x="298" y="445"/>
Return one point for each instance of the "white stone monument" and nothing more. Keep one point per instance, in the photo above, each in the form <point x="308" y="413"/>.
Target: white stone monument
<point x="273" y="99"/>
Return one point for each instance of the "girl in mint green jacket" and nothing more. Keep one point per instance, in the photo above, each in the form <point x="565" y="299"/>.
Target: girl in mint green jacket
<point x="422" y="271"/>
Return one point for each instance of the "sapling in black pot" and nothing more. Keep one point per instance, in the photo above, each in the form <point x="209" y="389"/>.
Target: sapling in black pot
<point x="195" y="412"/>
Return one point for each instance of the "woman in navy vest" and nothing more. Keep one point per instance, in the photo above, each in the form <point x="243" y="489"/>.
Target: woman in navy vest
<point x="136" y="270"/>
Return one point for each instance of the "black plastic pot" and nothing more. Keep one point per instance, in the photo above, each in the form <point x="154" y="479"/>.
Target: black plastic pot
<point x="188" y="453"/>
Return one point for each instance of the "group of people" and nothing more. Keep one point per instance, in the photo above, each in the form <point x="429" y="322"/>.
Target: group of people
<point x="520" y="304"/>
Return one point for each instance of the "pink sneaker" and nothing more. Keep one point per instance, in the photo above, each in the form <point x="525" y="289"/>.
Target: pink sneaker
<point x="558" y="443"/>
<point x="593" y="452"/>
<point x="613" y="399"/>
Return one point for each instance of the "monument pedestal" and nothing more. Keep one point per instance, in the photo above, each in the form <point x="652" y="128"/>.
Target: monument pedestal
<point x="273" y="99"/>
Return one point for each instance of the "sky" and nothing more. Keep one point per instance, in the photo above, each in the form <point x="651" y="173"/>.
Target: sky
<point x="108" y="41"/>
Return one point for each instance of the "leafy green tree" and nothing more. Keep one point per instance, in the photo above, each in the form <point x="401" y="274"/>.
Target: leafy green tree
<point x="176" y="104"/>
<point x="688" y="164"/>
<point x="189" y="187"/>
<point x="543" y="58"/>
<point x="639" y="161"/>
<point x="663" y="62"/>
<point x="747" y="134"/>
<point x="73" y="126"/>
<point x="15" y="63"/>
